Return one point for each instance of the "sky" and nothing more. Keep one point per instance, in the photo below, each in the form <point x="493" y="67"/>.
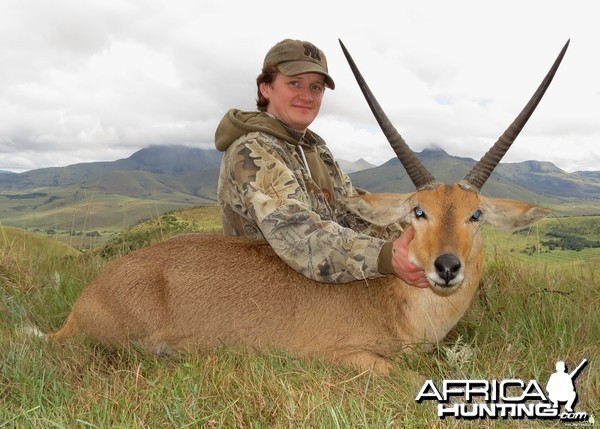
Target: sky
<point x="84" y="81"/>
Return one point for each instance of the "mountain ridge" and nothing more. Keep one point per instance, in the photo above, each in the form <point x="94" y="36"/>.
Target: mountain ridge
<point x="161" y="178"/>
<point x="536" y="177"/>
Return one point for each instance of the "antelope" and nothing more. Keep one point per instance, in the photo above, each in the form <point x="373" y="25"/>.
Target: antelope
<point x="198" y="291"/>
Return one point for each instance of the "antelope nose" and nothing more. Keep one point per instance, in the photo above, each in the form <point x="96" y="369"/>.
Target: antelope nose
<point x="447" y="266"/>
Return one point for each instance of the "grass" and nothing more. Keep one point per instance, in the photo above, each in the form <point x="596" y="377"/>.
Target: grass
<point x="528" y="314"/>
<point x="84" y="219"/>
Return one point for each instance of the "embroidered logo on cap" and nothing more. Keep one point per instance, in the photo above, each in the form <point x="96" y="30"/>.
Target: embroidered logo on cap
<point x="312" y="51"/>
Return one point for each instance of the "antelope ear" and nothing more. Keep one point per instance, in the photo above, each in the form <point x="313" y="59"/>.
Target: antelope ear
<point x="509" y="215"/>
<point x="379" y="209"/>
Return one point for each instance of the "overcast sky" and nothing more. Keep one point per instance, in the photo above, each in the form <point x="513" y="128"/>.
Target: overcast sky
<point x="87" y="80"/>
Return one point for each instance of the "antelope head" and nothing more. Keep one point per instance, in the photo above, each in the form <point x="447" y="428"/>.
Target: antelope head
<point x="447" y="218"/>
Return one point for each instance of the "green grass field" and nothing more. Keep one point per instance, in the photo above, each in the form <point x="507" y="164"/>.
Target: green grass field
<point x="527" y="246"/>
<point x="533" y="309"/>
<point x="82" y="220"/>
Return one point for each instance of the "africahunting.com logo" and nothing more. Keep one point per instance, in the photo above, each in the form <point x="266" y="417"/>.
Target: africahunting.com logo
<point x="509" y="399"/>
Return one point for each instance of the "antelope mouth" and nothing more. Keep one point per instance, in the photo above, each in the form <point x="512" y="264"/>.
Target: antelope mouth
<point x="442" y="288"/>
<point x="437" y="282"/>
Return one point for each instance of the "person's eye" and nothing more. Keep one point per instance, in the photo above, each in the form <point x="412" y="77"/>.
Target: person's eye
<point x="294" y="83"/>
<point x="318" y="89"/>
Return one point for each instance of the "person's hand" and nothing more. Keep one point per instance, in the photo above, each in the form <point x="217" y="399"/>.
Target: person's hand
<point x="404" y="269"/>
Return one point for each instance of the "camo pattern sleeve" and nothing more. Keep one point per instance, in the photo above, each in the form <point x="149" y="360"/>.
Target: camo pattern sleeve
<point x="265" y="193"/>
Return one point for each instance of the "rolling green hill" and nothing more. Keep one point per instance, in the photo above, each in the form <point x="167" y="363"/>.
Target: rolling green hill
<point x="24" y="243"/>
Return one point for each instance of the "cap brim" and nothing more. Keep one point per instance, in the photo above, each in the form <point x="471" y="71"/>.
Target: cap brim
<point x="294" y="68"/>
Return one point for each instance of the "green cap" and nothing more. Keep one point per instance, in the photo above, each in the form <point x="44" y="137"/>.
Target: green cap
<point x="294" y="57"/>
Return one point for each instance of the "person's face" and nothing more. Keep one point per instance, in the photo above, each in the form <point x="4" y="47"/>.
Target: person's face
<point x="295" y="100"/>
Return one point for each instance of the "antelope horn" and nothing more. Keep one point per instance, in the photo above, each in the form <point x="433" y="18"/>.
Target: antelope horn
<point x="479" y="174"/>
<point x="417" y="172"/>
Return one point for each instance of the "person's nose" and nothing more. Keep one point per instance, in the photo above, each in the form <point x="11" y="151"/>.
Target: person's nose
<point x="306" y="94"/>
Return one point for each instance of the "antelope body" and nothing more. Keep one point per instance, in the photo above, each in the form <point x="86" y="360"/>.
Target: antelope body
<point x="198" y="291"/>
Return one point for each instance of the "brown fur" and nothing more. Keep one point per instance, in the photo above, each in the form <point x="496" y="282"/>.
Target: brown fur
<point x="198" y="291"/>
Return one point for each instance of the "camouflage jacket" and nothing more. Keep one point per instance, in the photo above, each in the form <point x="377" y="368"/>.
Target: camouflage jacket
<point x="282" y="186"/>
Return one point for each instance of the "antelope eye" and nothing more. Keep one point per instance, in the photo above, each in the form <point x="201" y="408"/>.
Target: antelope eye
<point x="419" y="213"/>
<point x="475" y="216"/>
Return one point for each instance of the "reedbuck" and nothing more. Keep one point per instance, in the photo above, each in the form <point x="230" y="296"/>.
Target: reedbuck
<point x="197" y="291"/>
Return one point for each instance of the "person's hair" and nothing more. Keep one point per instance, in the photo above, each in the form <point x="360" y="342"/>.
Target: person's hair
<point x="267" y="76"/>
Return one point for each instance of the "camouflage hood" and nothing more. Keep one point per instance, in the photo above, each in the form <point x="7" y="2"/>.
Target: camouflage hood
<point x="237" y="123"/>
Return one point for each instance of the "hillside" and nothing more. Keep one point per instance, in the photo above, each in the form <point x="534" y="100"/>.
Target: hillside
<point x="531" y="310"/>
<point x="110" y="196"/>
<point x="163" y="161"/>
<point x="21" y="244"/>
<point x="535" y="181"/>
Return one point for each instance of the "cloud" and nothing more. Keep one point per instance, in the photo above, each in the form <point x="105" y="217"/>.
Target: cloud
<point x="96" y="80"/>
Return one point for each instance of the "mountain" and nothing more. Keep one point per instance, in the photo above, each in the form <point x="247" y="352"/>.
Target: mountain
<point x="110" y="195"/>
<point x="353" y="167"/>
<point x="118" y="194"/>
<point x="545" y="178"/>
<point x="528" y="180"/>
<point x="171" y="161"/>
